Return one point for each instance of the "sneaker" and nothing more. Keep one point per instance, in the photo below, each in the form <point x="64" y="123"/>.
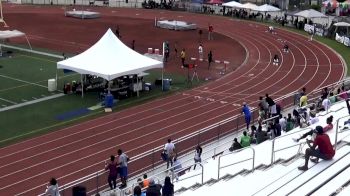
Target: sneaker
<point x="303" y="168"/>
<point x="315" y="160"/>
<point x="295" y="139"/>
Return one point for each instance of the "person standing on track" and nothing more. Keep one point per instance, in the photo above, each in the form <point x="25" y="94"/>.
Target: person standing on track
<point x="183" y="56"/>
<point x="210" y="32"/>
<point x="200" y="51"/>
<point x="123" y="167"/>
<point x="247" y="114"/>
<point x="112" y="166"/>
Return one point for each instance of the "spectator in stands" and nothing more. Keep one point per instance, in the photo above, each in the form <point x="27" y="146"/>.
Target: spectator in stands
<point x="140" y="182"/>
<point x="245" y="140"/>
<point x="183" y="56"/>
<point x="112" y="166"/>
<point x="324" y="151"/>
<point x="283" y="122"/>
<point x="326" y="104"/>
<point x="197" y="156"/>
<point x="52" y="188"/>
<point x="261" y="135"/>
<point x="313" y="119"/>
<point x="278" y="128"/>
<point x="325" y="129"/>
<point x="252" y="132"/>
<point x="123" y="167"/>
<point x="210" y="59"/>
<point x="264" y="106"/>
<point x="169" y="149"/>
<point x="332" y="98"/>
<point x="177" y="168"/>
<point x="290" y="123"/>
<point x="168" y="187"/>
<point x="145" y="181"/>
<point x="247" y="114"/>
<point x="276" y="60"/>
<point x="342" y="94"/>
<point x="303" y="100"/>
<point x="138" y="192"/>
<point x="235" y="145"/>
<point x="324" y="93"/>
<point x="272" y="105"/>
<point x="153" y="188"/>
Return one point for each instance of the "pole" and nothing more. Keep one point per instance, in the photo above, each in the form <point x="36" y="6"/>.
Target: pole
<point x="56" y="78"/>
<point x="137" y="85"/>
<point x="163" y="66"/>
<point x="82" y="86"/>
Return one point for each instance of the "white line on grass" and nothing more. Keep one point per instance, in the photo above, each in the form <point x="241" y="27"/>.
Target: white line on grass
<point x="8" y="101"/>
<point x="22" y="81"/>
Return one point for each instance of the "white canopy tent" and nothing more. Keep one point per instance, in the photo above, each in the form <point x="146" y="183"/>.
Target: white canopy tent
<point x="310" y="13"/>
<point x="267" y="8"/>
<point x="109" y="58"/>
<point x="233" y="4"/>
<point x="12" y="34"/>
<point x="342" y="24"/>
<point x="249" y="6"/>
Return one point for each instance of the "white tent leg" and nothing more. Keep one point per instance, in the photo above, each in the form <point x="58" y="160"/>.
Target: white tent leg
<point x="30" y="46"/>
<point x="56" y="79"/>
<point x="82" y="86"/>
<point x="163" y="66"/>
<point x="137" y="84"/>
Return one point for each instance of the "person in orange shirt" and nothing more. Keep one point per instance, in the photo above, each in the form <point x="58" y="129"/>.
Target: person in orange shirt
<point x="145" y="181"/>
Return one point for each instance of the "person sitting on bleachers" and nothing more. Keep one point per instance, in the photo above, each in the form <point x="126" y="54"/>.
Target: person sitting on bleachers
<point x="145" y="181"/>
<point x="235" y="145"/>
<point x="325" y="129"/>
<point x="245" y="140"/>
<point x="260" y="135"/>
<point x="153" y="188"/>
<point x="138" y="192"/>
<point x="290" y="123"/>
<point x="332" y="98"/>
<point x="282" y="122"/>
<point x="324" y="151"/>
<point x="313" y="119"/>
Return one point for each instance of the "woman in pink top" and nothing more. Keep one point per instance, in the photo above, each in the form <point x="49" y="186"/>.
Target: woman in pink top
<point x="112" y="166"/>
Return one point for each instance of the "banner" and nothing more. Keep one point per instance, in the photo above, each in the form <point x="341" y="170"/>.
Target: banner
<point x="339" y="38"/>
<point x="347" y="41"/>
<point x="311" y="28"/>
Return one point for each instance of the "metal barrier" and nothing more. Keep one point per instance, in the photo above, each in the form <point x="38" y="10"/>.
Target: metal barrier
<point x="337" y="131"/>
<point x="239" y="150"/>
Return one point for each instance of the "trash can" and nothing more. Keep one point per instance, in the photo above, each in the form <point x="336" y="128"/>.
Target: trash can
<point x="166" y="84"/>
<point x="109" y="101"/>
<point x="51" y="85"/>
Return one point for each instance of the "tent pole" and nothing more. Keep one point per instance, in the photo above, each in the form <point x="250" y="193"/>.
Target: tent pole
<point x="30" y="46"/>
<point x="163" y="66"/>
<point x="137" y="84"/>
<point x="82" y="86"/>
<point x="56" y="79"/>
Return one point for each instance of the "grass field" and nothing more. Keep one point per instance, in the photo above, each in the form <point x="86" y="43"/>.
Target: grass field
<point x="23" y="78"/>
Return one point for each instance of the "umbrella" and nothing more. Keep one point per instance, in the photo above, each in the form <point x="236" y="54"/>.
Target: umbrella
<point x="310" y="13"/>
<point x="267" y="8"/>
<point x="232" y="4"/>
<point x="342" y="24"/>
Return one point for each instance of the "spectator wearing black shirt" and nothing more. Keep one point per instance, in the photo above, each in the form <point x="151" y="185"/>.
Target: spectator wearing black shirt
<point x="272" y="105"/>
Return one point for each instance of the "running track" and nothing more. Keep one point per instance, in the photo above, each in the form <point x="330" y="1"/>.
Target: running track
<point x="77" y="151"/>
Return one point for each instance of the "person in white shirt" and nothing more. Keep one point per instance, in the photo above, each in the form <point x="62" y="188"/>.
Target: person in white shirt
<point x="200" y="51"/>
<point x="169" y="149"/>
<point x="52" y="188"/>
<point x="326" y="104"/>
<point x="283" y="122"/>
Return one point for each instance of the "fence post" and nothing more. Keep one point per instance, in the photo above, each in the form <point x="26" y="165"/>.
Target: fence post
<point x="97" y="182"/>
<point x="153" y="160"/>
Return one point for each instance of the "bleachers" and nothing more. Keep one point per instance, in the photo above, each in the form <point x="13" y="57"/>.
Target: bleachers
<point x="280" y="178"/>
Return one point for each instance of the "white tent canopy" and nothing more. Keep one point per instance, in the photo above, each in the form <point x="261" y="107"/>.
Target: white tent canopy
<point x="267" y="8"/>
<point x="342" y="24"/>
<point x="310" y="13"/>
<point x="109" y="58"/>
<point x="10" y="34"/>
<point x="250" y="6"/>
<point x="232" y="4"/>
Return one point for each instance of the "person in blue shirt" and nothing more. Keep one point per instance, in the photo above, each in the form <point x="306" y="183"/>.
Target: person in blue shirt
<point x="247" y="114"/>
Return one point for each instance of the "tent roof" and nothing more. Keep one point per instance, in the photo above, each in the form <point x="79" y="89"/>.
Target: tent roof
<point x="310" y="13"/>
<point x="109" y="58"/>
<point x="267" y="8"/>
<point x="342" y="24"/>
<point x="249" y="6"/>
<point x="232" y="4"/>
<point x="9" y="34"/>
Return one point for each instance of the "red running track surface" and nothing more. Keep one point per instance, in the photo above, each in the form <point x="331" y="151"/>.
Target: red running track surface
<point x="77" y="151"/>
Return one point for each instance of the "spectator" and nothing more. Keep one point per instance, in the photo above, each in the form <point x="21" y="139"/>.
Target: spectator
<point x="183" y="56"/>
<point x="197" y="156"/>
<point x="138" y="192"/>
<point x="324" y="93"/>
<point x="277" y="128"/>
<point x="112" y="166"/>
<point x="282" y="122"/>
<point x="177" y="168"/>
<point x="252" y="132"/>
<point x="313" y="119"/>
<point x="52" y="188"/>
<point x="324" y="151"/>
<point x="264" y="106"/>
<point x="342" y="94"/>
<point x="153" y="188"/>
<point x="261" y="135"/>
<point x="272" y="105"/>
<point x="168" y="187"/>
<point x="245" y="140"/>
<point x="326" y="104"/>
<point x="169" y="149"/>
<point x="145" y="181"/>
<point x="332" y="98"/>
<point x="140" y="182"/>
<point x="247" y="114"/>
<point x="303" y="100"/>
<point x="123" y="167"/>
<point x="325" y="129"/>
<point x="289" y="123"/>
<point x="235" y="145"/>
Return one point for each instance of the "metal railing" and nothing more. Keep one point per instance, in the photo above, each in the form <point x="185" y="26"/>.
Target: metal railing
<point x="337" y="131"/>
<point x="241" y="161"/>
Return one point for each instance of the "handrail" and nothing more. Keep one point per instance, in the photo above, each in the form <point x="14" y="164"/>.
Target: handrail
<point x="279" y="137"/>
<point x="337" y="130"/>
<point x="239" y="150"/>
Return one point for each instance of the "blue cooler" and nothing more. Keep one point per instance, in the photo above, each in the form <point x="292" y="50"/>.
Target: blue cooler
<point x="166" y="84"/>
<point x="109" y="101"/>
